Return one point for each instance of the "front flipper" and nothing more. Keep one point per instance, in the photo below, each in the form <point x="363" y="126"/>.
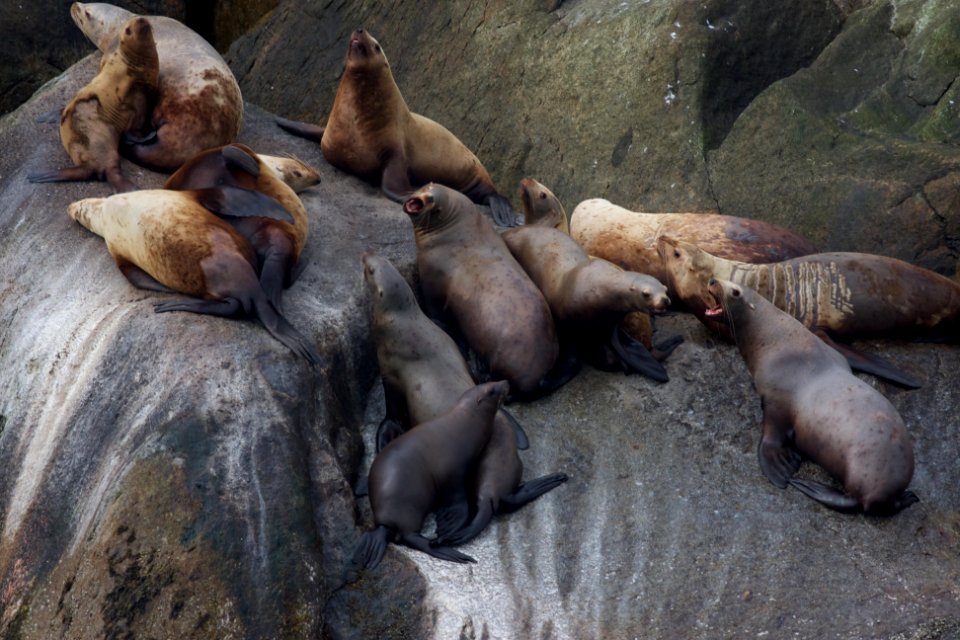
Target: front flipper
<point x="272" y="274"/>
<point x="395" y="181"/>
<point x="129" y="139"/>
<point x="827" y="496"/>
<point x="778" y="461"/>
<point x="866" y="363"/>
<point x="241" y="203"/>
<point x="371" y="547"/>
<point x="664" y="348"/>
<point x="531" y="490"/>
<point x="69" y="174"/>
<point x="418" y="542"/>
<point x="141" y="279"/>
<point x="502" y="211"/>
<point x="225" y="308"/>
<point x="635" y="357"/>
<point x="301" y="129"/>
<point x="523" y="443"/>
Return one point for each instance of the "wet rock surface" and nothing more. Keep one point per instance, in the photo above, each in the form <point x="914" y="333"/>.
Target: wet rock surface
<point x="179" y="476"/>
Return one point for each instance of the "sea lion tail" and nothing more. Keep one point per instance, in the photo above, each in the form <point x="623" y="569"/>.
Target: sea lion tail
<point x="283" y="331"/>
<point x="372" y="546"/>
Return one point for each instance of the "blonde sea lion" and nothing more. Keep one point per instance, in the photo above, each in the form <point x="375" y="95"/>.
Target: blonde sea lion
<point x="168" y="241"/>
<point x="629" y="238"/>
<point x="423" y="374"/>
<point x="118" y="100"/>
<point x="815" y="408"/>
<point x="473" y="285"/>
<point x="199" y="105"/>
<point x="836" y="295"/>
<point x="424" y="468"/>
<point x="277" y="242"/>
<point x="371" y="133"/>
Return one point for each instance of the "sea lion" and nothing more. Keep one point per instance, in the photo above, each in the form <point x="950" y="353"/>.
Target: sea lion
<point x="629" y="238"/>
<point x="278" y="243"/>
<point x="589" y="298"/>
<point x="423" y="374"/>
<point x="836" y="295"/>
<point x="298" y="175"/>
<point x="425" y="467"/>
<point x="815" y="408"/>
<point x="199" y="105"/>
<point x="540" y="207"/>
<point x="371" y="133"/>
<point x="118" y="100"/>
<point x="168" y="241"/>
<point x="473" y="286"/>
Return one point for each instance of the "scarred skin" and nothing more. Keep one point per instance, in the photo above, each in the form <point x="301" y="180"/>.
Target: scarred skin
<point x="277" y="243"/>
<point x="472" y="283"/>
<point x="117" y="101"/>
<point x="815" y="408"/>
<point x="424" y="373"/>
<point x="849" y="295"/>
<point x="628" y="238"/>
<point x="168" y="241"/>
<point x="371" y="133"/>
<point x="199" y="104"/>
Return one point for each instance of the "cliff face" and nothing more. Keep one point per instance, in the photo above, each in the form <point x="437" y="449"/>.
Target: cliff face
<point x="179" y="476"/>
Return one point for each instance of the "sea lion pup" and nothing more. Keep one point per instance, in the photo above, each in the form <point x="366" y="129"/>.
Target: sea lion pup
<point x="199" y="105"/>
<point x="540" y="207"/>
<point x="277" y="242"/>
<point x="118" y="100"/>
<point x="476" y="289"/>
<point x="423" y="374"/>
<point x="421" y="367"/>
<point x="815" y="408"/>
<point x="424" y="468"/>
<point x="629" y="238"/>
<point x="836" y="295"/>
<point x="589" y="298"/>
<point x="168" y="241"/>
<point x="371" y="133"/>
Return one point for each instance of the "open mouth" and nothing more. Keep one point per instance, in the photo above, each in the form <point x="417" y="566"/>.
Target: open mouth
<point x="716" y="311"/>
<point x="413" y="206"/>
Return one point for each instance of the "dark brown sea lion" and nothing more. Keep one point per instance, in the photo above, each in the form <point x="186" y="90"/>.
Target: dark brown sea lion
<point x="118" y="100"/>
<point x="423" y="374"/>
<point x="199" y="105"/>
<point x="278" y="243"/>
<point x="424" y="468"/>
<point x="815" y="408"/>
<point x="168" y="241"/>
<point x="629" y="238"/>
<point x="837" y="295"/>
<point x="473" y="285"/>
<point x="371" y="133"/>
<point x="589" y="298"/>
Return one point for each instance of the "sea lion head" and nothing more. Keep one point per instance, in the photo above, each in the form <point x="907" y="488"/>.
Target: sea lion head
<point x="388" y="290"/>
<point x="85" y="211"/>
<point x="138" y="47"/>
<point x="364" y="52"/>
<point x="687" y="269"/>
<point x="652" y="292"/>
<point x="541" y="207"/>
<point x="430" y="207"/>
<point x="732" y="304"/>
<point x="297" y="174"/>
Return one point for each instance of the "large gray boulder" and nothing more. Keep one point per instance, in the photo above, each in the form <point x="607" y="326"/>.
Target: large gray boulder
<point x="179" y="476"/>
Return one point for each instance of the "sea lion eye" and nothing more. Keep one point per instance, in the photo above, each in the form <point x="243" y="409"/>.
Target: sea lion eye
<point x="735" y="293"/>
<point x="297" y="174"/>
<point x="676" y="253"/>
<point x="543" y="196"/>
<point x="127" y="31"/>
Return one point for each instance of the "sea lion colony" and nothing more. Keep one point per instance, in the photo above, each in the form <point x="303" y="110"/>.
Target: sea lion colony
<point x="525" y="306"/>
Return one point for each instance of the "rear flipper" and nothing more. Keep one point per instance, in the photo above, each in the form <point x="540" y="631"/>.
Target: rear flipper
<point x="464" y="534"/>
<point x="664" y="348"/>
<point x="827" y="496"/>
<point x="529" y="491"/>
<point x="871" y="364"/>
<point x="371" y="547"/>
<point x="301" y="129"/>
<point x="523" y="443"/>
<point x="241" y="203"/>
<point x="418" y="542"/>
<point x="777" y="462"/>
<point x="283" y="331"/>
<point x="141" y="279"/>
<point x="450" y="519"/>
<point x="635" y="357"/>
<point x="388" y="430"/>
<point x="272" y="275"/>
<point x="69" y="174"/>
<point x="502" y="211"/>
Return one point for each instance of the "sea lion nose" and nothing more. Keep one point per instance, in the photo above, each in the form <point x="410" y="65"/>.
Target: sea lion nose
<point x="712" y="282"/>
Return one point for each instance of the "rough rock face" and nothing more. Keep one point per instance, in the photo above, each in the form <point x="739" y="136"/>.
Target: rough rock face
<point x="178" y="476"/>
<point x="837" y="119"/>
